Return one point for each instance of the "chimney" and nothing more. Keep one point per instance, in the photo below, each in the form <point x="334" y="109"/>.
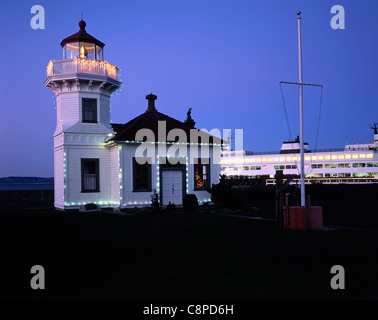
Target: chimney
<point x="151" y="102"/>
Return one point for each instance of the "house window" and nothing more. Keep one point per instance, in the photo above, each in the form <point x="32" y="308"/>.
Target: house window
<point x="90" y="175"/>
<point x="201" y="174"/>
<point x="89" y="110"/>
<point x="142" y="176"/>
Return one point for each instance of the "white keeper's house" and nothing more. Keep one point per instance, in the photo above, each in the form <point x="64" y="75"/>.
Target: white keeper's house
<point x="95" y="161"/>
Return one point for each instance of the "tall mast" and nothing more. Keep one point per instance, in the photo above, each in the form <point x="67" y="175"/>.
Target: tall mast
<point x="301" y="136"/>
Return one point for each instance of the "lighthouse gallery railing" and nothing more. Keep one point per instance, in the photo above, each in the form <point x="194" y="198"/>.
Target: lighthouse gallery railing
<point x="71" y="66"/>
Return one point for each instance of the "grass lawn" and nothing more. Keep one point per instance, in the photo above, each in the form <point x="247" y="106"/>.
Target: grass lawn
<point x="179" y="256"/>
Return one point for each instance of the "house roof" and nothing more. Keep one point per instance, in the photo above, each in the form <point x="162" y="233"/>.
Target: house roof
<point x="82" y="36"/>
<point x="149" y="120"/>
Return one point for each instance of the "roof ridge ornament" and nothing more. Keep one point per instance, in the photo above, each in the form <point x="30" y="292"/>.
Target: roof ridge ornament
<point x="189" y="121"/>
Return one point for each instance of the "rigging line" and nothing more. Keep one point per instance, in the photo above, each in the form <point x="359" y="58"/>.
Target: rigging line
<point x="320" y="110"/>
<point x="287" y="118"/>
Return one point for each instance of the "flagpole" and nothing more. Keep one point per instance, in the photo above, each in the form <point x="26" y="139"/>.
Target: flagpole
<point x="301" y="135"/>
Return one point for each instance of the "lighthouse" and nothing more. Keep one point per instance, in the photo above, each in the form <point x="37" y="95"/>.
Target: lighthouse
<point x="83" y="83"/>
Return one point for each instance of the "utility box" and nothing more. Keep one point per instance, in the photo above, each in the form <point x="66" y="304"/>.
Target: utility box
<point x="298" y="218"/>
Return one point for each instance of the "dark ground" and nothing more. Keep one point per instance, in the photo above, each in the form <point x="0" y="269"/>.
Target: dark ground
<point x="189" y="256"/>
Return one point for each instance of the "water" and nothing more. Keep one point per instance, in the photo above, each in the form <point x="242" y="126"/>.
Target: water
<point x="27" y="186"/>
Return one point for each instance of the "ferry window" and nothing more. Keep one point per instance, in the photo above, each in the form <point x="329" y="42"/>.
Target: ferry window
<point x="370" y="164"/>
<point x="333" y="165"/>
<point x="370" y="174"/>
<point x="341" y="175"/>
<point x="361" y="165"/>
<point x="333" y="175"/>
<point x="282" y="167"/>
<point x="340" y="165"/>
<point x="288" y="167"/>
<point x="327" y="175"/>
<point x="347" y="175"/>
<point x="276" y="167"/>
<point x="375" y="164"/>
<point x="359" y="174"/>
<point x="355" y="165"/>
<point x="314" y="166"/>
<point x="347" y="165"/>
<point x="327" y="165"/>
<point x="294" y="167"/>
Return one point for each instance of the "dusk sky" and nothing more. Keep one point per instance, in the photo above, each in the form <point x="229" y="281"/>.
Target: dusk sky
<point x="224" y="59"/>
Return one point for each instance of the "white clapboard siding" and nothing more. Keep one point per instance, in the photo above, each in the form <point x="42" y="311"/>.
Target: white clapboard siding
<point x="74" y="154"/>
<point x="131" y="198"/>
<point x="114" y="175"/>
<point x="59" y="177"/>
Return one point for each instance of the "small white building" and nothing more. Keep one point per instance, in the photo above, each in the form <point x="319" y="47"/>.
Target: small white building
<point x="98" y="162"/>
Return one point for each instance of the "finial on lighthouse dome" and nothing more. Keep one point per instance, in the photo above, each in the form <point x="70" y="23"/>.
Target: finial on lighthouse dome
<point x="82" y="25"/>
<point x="82" y="45"/>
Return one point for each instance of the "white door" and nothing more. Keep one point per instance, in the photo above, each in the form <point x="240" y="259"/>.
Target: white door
<point x="172" y="187"/>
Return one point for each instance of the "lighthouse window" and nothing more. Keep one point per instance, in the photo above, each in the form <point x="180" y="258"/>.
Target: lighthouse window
<point x="201" y="174"/>
<point x="89" y="110"/>
<point x="142" y="175"/>
<point x="90" y="177"/>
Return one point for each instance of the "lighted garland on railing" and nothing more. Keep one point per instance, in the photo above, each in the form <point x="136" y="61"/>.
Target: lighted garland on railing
<point x="87" y="66"/>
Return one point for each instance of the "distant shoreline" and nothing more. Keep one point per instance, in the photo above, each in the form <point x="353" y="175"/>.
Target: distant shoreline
<point x="26" y="183"/>
<point x="26" y="186"/>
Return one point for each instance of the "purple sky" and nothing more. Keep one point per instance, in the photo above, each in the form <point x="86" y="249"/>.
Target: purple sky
<point x="222" y="58"/>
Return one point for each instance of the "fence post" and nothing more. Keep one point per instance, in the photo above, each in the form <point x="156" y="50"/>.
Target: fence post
<point x="308" y="204"/>
<point x="279" y="197"/>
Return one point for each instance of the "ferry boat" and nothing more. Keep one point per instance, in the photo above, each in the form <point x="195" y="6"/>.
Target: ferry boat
<point x="356" y="163"/>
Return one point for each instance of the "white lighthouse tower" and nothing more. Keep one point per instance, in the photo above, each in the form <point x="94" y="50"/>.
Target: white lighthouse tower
<point x="83" y="83"/>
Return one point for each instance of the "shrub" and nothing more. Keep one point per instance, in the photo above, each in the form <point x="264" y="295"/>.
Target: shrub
<point x="155" y="203"/>
<point x="190" y="203"/>
<point x="235" y="200"/>
<point x="220" y="191"/>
